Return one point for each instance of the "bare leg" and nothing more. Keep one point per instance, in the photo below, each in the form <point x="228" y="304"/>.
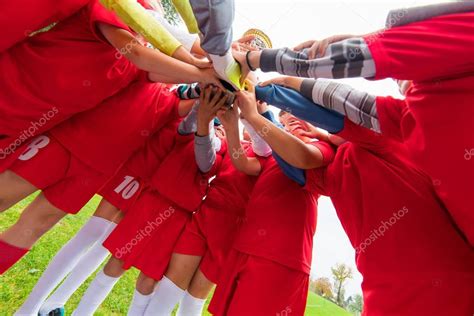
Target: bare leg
<point x="145" y="285"/>
<point x="194" y="300"/>
<point x="182" y="269"/>
<point x="109" y="212"/>
<point x="13" y="189"/>
<point x="200" y="286"/>
<point x="37" y="219"/>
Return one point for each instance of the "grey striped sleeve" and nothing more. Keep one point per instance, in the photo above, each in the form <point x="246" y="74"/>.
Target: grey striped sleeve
<point x="345" y="59"/>
<point x="358" y="106"/>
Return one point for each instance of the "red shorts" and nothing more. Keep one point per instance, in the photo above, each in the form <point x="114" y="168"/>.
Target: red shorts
<point x="210" y="234"/>
<point x="66" y="182"/>
<point x="254" y="286"/>
<point x="122" y="190"/>
<point x="147" y="235"/>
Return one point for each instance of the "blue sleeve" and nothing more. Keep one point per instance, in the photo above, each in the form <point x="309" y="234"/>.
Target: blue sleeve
<point x="295" y="103"/>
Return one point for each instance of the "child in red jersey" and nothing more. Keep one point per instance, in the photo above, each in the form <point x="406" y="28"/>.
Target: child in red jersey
<point x="76" y="65"/>
<point x="436" y="54"/>
<point x="383" y="202"/>
<point x="274" y="244"/>
<point x="200" y="253"/>
<point x="21" y="18"/>
<point x="81" y="154"/>
<point x="84" y="253"/>
<point x="157" y="217"/>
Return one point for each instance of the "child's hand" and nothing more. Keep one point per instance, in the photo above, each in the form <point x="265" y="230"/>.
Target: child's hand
<point x="209" y="77"/>
<point x="317" y="49"/>
<point x="212" y="99"/>
<point x="201" y="63"/>
<point x="229" y="118"/>
<point x="247" y="102"/>
<point x="240" y="57"/>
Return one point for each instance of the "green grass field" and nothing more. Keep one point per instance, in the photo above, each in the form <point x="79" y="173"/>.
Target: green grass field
<point x="16" y="284"/>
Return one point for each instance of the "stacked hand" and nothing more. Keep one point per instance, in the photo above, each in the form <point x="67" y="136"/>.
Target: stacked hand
<point x="247" y="103"/>
<point x="212" y="100"/>
<point x="317" y="49"/>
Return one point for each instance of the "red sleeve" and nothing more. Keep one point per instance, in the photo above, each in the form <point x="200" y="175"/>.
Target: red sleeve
<point x="326" y="150"/>
<point x="99" y="14"/>
<point x="316" y="181"/>
<point x="434" y="49"/>
<point x="391" y="112"/>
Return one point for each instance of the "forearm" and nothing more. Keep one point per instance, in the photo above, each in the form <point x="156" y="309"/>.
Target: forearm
<point x="240" y="160"/>
<point x="165" y="69"/>
<point x="344" y="59"/>
<point x="204" y="145"/>
<point x="288" y="147"/>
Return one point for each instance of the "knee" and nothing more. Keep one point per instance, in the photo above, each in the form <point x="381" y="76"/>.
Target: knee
<point x="145" y="285"/>
<point x="113" y="268"/>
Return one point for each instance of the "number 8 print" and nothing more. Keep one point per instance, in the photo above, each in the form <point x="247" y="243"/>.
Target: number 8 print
<point x="128" y="187"/>
<point x="34" y="147"/>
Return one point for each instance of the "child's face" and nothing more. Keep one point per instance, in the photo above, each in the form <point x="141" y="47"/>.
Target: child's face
<point x="220" y="132"/>
<point x="246" y="135"/>
<point x="294" y="125"/>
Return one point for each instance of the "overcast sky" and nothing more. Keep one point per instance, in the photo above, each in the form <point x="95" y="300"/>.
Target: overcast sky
<point x="291" y="22"/>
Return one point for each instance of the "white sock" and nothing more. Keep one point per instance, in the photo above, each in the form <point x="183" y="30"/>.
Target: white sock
<point x="166" y="296"/>
<point x="85" y="267"/>
<point x="190" y="306"/>
<point x="96" y="293"/>
<point x="63" y="262"/>
<point x="139" y="304"/>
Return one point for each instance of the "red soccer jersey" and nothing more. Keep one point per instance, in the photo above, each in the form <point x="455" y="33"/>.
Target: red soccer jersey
<point x="106" y="136"/>
<point x="407" y="249"/>
<point x="281" y="217"/>
<point x="231" y="188"/>
<point x="178" y="177"/>
<point x="145" y="161"/>
<point x="22" y="17"/>
<point x="438" y="55"/>
<point x="58" y="73"/>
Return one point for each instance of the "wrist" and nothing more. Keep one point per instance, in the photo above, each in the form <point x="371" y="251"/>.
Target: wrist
<point x="253" y="59"/>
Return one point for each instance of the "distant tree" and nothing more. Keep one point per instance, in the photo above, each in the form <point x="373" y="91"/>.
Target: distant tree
<point x="356" y="304"/>
<point x="170" y="12"/>
<point x="341" y="273"/>
<point x="322" y="287"/>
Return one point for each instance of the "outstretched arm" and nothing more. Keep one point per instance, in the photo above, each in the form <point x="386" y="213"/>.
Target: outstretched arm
<point x="206" y="143"/>
<point x="288" y="147"/>
<point x="161" y="67"/>
<point x="359" y="106"/>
